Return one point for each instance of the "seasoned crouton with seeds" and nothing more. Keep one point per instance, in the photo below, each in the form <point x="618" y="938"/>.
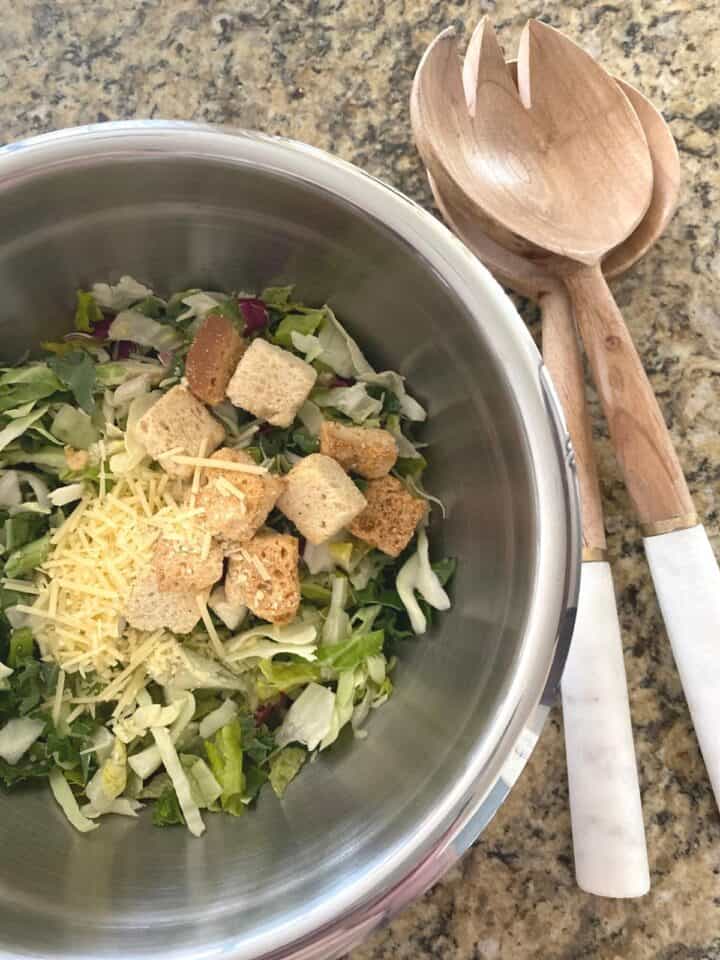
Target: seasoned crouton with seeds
<point x="212" y="358"/>
<point x="187" y="564"/>
<point x="150" y="608"/>
<point x="368" y="451"/>
<point x="271" y="383"/>
<point x="320" y="498"/>
<point x="179" y="422"/>
<point x="236" y="504"/>
<point x="390" y="518"/>
<point x="76" y="459"/>
<point x="264" y="576"/>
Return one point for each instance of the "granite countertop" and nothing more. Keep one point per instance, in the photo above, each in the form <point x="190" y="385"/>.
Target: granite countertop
<point x="337" y="74"/>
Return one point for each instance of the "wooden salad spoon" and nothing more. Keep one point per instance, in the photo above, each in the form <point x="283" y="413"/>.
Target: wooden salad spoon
<point x="463" y="153"/>
<point x="608" y="831"/>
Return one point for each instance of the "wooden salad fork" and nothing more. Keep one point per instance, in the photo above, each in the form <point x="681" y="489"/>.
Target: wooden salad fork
<point x="462" y="151"/>
<point x="606" y="812"/>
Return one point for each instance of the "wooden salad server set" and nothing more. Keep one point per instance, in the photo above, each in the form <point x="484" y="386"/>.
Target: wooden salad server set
<point x="556" y="176"/>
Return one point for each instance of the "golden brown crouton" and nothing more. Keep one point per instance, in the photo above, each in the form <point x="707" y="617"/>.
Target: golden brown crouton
<point x="320" y="498"/>
<point x="271" y="383"/>
<point x="76" y="459"/>
<point x="390" y="518"/>
<point x="365" y="450"/>
<point x="150" y="608"/>
<point x="179" y="422"/>
<point x="180" y="565"/>
<point x="263" y="575"/>
<point x="236" y="504"/>
<point x="212" y="358"/>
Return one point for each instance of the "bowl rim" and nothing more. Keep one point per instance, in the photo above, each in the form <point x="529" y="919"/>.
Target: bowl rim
<point x="351" y="914"/>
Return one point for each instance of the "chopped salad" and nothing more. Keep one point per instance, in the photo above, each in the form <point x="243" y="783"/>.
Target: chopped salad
<point x="213" y="536"/>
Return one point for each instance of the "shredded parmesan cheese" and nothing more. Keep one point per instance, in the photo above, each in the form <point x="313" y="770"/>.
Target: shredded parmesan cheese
<point x="95" y="558"/>
<point x="220" y="464"/>
<point x="20" y="586"/>
<point x="215" y="641"/>
<point x="224" y="486"/>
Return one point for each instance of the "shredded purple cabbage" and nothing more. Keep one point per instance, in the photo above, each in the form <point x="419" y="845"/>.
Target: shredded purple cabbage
<point x="102" y="327"/>
<point x="254" y="313"/>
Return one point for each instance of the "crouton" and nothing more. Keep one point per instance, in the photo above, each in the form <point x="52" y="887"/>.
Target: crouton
<point x="365" y="450"/>
<point x="236" y="504"/>
<point x="76" y="459"/>
<point x="320" y="498"/>
<point x="212" y="358"/>
<point x="150" y="608"/>
<point x="181" y="423"/>
<point x="390" y="518"/>
<point x="271" y="383"/>
<point x="263" y="575"/>
<point x="180" y="567"/>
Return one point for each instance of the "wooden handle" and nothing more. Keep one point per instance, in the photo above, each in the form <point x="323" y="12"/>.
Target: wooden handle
<point x="563" y="359"/>
<point x="641" y="440"/>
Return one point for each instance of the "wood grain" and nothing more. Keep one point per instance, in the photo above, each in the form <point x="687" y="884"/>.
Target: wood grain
<point x="640" y="438"/>
<point x="563" y="358"/>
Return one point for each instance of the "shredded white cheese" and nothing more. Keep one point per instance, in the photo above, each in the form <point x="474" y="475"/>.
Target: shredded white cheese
<point x="96" y="556"/>
<point x="220" y="464"/>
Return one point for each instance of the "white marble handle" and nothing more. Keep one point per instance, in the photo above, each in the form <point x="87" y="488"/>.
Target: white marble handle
<point x="607" y="821"/>
<point x="687" y="582"/>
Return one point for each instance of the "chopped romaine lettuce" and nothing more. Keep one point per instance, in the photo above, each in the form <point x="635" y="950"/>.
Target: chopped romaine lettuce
<point x="396" y="385"/>
<point x="226" y="761"/>
<point x="231" y="614"/>
<point x="87" y="312"/>
<point x="351" y="652"/>
<point x="16" y="428"/>
<point x="280" y="676"/>
<point x="297" y="323"/>
<point x="277" y="297"/>
<point x="355" y="402"/>
<point x="121" y="295"/>
<point x="204" y="787"/>
<point x="416" y="575"/>
<point x="218" y="718"/>
<point x="306" y="344"/>
<point x="337" y="623"/>
<point x="339" y="351"/>
<point x="76" y="371"/>
<point x="311" y="418"/>
<point x="119" y="371"/>
<point x="67" y="802"/>
<point x="74" y="427"/>
<point x="171" y="762"/>
<point x="309" y="719"/>
<point x="21" y="646"/>
<point x="137" y="328"/>
<point x="198" y="303"/>
<point x="10" y="493"/>
<point x="28" y="557"/>
<point x="109" y="780"/>
<point x="166" y="809"/>
<point x="297" y="636"/>
<point x="284" y="767"/>
<point x="17" y="736"/>
<point x="27" y="384"/>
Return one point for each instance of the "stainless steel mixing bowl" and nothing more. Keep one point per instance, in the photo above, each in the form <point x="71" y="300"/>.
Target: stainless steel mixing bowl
<point x="370" y="824"/>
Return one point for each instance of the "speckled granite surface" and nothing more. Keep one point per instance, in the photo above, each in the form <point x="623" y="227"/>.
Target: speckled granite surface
<point x="337" y="73"/>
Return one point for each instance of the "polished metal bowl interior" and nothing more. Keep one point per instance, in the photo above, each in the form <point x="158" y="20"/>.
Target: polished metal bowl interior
<point x="373" y="823"/>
